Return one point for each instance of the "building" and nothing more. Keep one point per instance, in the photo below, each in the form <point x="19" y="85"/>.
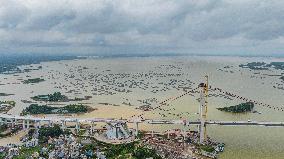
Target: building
<point x="13" y="151"/>
<point x="117" y="131"/>
<point x="32" y="143"/>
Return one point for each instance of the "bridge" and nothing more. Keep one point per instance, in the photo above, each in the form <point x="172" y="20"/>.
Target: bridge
<point x="28" y="121"/>
<point x="246" y="123"/>
<point x="37" y="122"/>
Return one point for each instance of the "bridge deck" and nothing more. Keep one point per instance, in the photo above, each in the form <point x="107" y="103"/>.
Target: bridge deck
<point x="148" y="121"/>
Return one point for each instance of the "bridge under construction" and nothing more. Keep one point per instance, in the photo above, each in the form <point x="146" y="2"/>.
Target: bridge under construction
<point x="36" y="122"/>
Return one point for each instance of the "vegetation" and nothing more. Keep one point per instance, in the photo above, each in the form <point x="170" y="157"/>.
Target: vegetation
<point x="2" y="155"/>
<point x="3" y="128"/>
<point x="82" y="132"/>
<point x="50" y="131"/>
<point x="5" y="131"/>
<point x="207" y="148"/>
<point x="140" y="134"/>
<point x="73" y="108"/>
<point x="27" y="152"/>
<point x="45" y="109"/>
<point x="5" y="94"/>
<point x="243" y="107"/>
<point x="46" y="132"/>
<point x="55" y="97"/>
<point x="143" y="152"/>
<point x="38" y="109"/>
<point x="33" y="80"/>
<point x="122" y="151"/>
<point x="130" y="150"/>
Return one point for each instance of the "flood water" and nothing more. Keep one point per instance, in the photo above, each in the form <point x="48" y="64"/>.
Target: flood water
<point x="118" y="86"/>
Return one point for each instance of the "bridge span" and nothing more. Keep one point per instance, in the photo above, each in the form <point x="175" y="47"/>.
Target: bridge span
<point x="13" y="118"/>
<point x="222" y="123"/>
<point x="246" y="123"/>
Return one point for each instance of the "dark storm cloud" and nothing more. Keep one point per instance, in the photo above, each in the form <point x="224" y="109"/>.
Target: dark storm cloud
<point x="154" y="25"/>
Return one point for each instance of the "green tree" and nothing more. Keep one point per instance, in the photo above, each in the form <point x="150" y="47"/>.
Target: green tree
<point x="46" y="132"/>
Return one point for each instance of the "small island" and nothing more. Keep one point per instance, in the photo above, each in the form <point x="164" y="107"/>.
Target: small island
<point x="33" y="80"/>
<point x="34" y="109"/>
<point x="58" y="97"/>
<point x="55" y="97"/>
<point x="6" y="94"/>
<point x="240" y="108"/>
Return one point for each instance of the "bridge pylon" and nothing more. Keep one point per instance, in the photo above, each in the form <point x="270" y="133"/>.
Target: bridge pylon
<point x="203" y="110"/>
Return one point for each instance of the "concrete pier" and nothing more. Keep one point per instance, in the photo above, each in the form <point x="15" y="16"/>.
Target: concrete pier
<point x="50" y="123"/>
<point x="24" y="124"/>
<point x="63" y="125"/>
<point x="38" y="124"/>
<point x="92" y="128"/>
<point x="28" y="124"/>
<point x="136" y="129"/>
<point x="13" y="122"/>
<point x="168" y="134"/>
<point x="77" y="127"/>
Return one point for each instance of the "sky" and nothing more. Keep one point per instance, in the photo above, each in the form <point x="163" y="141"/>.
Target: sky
<point x="200" y="27"/>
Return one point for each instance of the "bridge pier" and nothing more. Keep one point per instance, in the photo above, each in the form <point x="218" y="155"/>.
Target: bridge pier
<point x="50" y="123"/>
<point x="9" y="121"/>
<point x="63" y="125"/>
<point x="92" y="128"/>
<point x="168" y="134"/>
<point x="5" y="121"/>
<point x="136" y="129"/>
<point x="183" y="137"/>
<point x="1" y="121"/>
<point x="28" y="124"/>
<point x="38" y="124"/>
<point x="18" y="122"/>
<point x="13" y="122"/>
<point x="24" y="124"/>
<point x="77" y="127"/>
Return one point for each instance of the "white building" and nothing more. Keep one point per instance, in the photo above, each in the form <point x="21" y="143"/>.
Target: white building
<point x="13" y="152"/>
<point x="32" y="143"/>
<point x="117" y="131"/>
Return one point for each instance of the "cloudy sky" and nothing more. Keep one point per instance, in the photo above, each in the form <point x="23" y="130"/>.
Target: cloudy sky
<point x="225" y="27"/>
